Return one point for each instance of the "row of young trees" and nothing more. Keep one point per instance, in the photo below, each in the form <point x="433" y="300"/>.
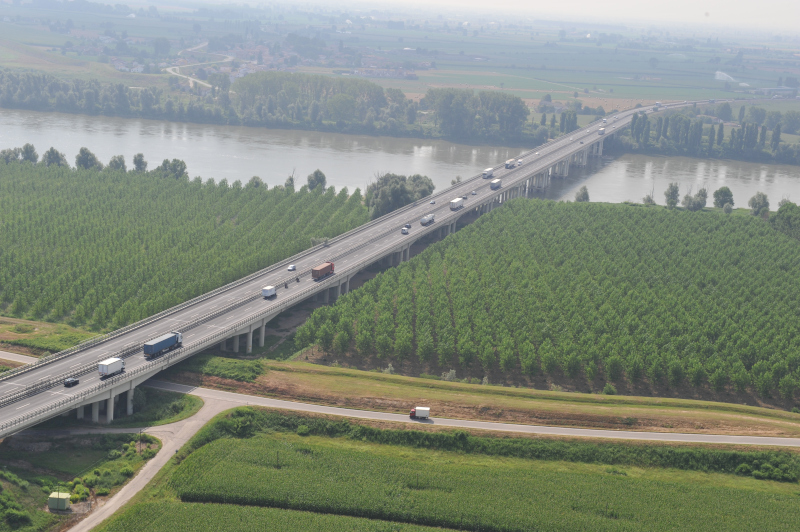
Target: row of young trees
<point x="789" y="120"/>
<point x="109" y="247"/>
<point x="287" y="100"/>
<point x="586" y="291"/>
<point x="677" y="133"/>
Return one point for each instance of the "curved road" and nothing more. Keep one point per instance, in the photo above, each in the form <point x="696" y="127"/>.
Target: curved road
<point x="30" y="395"/>
<point x="175" y="435"/>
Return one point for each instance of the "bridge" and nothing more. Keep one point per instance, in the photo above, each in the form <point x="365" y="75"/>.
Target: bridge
<point x="236" y="313"/>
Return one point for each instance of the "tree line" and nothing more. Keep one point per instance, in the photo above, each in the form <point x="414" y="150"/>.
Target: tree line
<point x="682" y="134"/>
<point x="288" y="100"/>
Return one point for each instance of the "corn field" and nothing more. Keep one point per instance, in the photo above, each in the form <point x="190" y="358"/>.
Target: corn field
<point x="467" y="492"/>
<point x="183" y="517"/>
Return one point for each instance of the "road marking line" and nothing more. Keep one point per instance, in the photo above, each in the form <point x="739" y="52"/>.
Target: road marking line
<point x="23" y="406"/>
<point x="190" y="336"/>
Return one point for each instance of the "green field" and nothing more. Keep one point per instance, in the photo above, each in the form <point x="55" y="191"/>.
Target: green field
<point x="86" y="467"/>
<point x="248" y="460"/>
<point x="588" y="293"/>
<point x="107" y="248"/>
<point x="191" y="517"/>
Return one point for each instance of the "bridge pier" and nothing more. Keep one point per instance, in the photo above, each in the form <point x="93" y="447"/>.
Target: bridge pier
<point x="262" y="333"/>
<point x="236" y="342"/>
<point x="110" y="408"/>
<point x="130" y="402"/>
<point x="80" y="412"/>
<point x="96" y="412"/>
<point x="223" y="346"/>
<point x="249" y="348"/>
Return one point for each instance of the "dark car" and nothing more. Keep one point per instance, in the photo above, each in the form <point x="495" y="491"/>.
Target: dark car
<point x="407" y="226"/>
<point x="70" y="382"/>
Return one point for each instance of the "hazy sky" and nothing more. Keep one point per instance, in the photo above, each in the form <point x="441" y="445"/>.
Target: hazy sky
<point x="764" y="14"/>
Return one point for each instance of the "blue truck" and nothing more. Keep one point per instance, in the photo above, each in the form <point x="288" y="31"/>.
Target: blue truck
<point x="162" y="344"/>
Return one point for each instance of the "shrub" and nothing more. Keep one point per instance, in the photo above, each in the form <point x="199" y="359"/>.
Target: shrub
<point x="23" y="328"/>
<point x="147" y="454"/>
<point x="126" y="471"/>
<point x="17" y="518"/>
<point x="609" y="389"/>
<point x="101" y="492"/>
<point x="303" y="430"/>
<point x="727" y="208"/>
<point x="449" y="376"/>
<point x="113" y="454"/>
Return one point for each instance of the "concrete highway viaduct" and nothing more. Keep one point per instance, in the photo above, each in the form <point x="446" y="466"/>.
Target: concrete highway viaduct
<point x="35" y="392"/>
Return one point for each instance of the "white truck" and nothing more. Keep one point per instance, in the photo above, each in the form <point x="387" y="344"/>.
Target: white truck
<point x="511" y="163"/>
<point x="268" y="292"/>
<point x="489" y="172"/>
<point x="427" y="219"/>
<point x="420" y="412"/>
<point x="601" y="131"/>
<point x="495" y="184"/>
<point x="110" y="366"/>
<point x="456" y="204"/>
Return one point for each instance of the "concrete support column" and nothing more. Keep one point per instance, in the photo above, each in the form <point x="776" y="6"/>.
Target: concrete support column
<point x="80" y="412"/>
<point x="222" y="345"/>
<point x="326" y="296"/>
<point x="96" y="412"/>
<point x="600" y="148"/>
<point x="130" y="401"/>
<point x="110" y="409"/>
<point x="346" y="286"/>
<point x="236" y="343"/>
<point x="262" y="332"/>
<point x="250" y="340"/>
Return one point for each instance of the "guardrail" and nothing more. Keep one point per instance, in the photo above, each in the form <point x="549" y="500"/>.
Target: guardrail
<point x="131" y="349"/>
<point x="170" y="357"/>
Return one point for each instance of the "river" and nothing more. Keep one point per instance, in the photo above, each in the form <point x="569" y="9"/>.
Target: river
<point x="238" y="153"/>
<point x="631" y="177"/>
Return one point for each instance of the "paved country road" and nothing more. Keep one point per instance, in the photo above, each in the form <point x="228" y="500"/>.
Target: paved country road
<point x="216" y="395"/>
<point x="14" y="357"/>
<point x="175" y="435"/>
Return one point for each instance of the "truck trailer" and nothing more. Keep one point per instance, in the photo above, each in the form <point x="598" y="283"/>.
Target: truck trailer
<point x="511" y="163"/>
<point x="495" y="184"/>
<point x="489" y="172"/>
<point x="110" y="366"/>
<point x="323" y="270"/>
<point x="601" y="131"/>
<point x="420" y="412"/>
<point x="456" y="204"/>
<point x="268" y="292"/>
<point x="166" y="342"/>
<point x="427" y="219"/>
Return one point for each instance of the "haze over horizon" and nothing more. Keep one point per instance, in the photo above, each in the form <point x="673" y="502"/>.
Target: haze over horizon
<point x="714" y="14"/>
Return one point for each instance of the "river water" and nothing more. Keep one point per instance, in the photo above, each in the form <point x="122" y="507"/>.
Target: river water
<point x="238" y="153"/>
<point x="630" y="177"/>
